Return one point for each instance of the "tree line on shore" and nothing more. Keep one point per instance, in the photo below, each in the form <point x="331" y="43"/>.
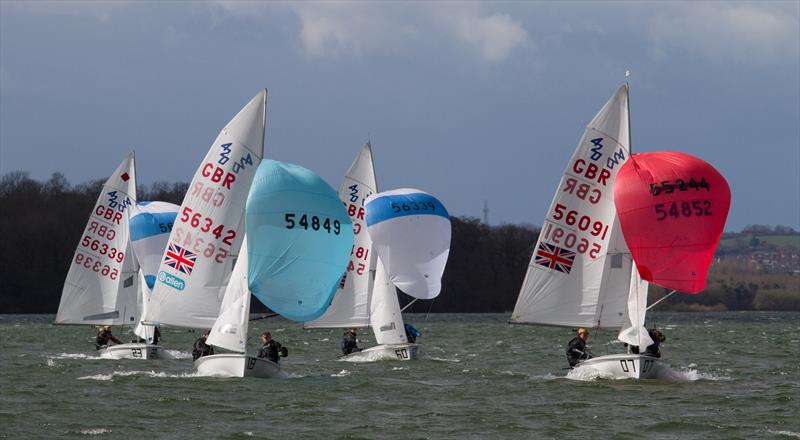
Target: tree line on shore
<point x="42" y="222"/>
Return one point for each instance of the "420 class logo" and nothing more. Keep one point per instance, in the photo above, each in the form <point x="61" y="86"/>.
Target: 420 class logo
<point x="225" y="157"/>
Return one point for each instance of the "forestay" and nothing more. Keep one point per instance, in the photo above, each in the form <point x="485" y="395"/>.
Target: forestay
<point x="197" y="263"/>
<point x="579" y="273"/>
<point x="101" y="286"/>
<point x="351" y="304"/>
<point x="299" y="237"/>
<point x="230" y="328"/>
<point x="672" y="208"/>
<point x="410" y="232"/>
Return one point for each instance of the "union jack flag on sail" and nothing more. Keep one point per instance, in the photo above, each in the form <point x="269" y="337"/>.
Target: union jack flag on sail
<point x="554" y="257"/>
<point x="180" y="259"/>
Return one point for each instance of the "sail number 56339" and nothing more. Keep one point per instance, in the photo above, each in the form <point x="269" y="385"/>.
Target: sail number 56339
<point x="312" y="222"/>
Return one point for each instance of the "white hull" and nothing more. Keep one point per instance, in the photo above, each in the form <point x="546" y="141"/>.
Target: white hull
<point x="387" y="352"/>
<point x="236" y="365"/>
<point x="624" y="366"/>
<point x="131" y="351"/>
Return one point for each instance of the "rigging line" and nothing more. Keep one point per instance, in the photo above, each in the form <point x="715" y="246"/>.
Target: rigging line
<point x="662" y="299"/>
<point x="408" y="305"/>
<point x="429" y="310"/>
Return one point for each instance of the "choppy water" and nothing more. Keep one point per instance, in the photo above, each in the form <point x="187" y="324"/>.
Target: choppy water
<point x="737" y="376"/>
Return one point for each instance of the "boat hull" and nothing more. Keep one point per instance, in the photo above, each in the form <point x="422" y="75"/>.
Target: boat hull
<point x="131" y="351"/>
<point x="385" y="352"/>
<point x="236" y="365"/>
<point x="625" y="366"/>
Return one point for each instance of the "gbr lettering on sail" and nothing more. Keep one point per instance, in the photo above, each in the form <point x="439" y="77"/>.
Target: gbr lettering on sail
<point x="583" y="209"/>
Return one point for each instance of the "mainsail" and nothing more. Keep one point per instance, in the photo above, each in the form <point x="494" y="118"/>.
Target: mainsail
<point x="579" y="274"/>
<point x="197" y="263"/>
<point x="101" y="286"/>
<point x="351" y="305"/>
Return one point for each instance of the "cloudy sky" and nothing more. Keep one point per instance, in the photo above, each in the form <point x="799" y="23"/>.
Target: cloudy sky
<point x="470" y="101"/>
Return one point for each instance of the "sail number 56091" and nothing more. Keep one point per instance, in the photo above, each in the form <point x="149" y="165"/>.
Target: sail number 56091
<point x="312" y="222"/>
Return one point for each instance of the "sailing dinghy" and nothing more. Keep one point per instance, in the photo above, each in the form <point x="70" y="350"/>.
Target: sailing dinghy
<point x="298" y="238"/>
<point x="102" y="284"/>
<point x="365" y="296"/>
<point x="581" y="273"/>
<point x="198" y="261"/>
<point x="410" y="233"/>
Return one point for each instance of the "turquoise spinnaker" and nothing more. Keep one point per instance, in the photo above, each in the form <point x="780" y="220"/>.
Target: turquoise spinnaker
<point x="299" y="239"/>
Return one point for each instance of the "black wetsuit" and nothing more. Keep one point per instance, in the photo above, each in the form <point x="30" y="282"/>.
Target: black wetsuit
<point x="654" y="349"/>
<point x="201" y="348"/>
<point x="576" y="351"/>
<point x="271" y="351"/>
<point x="102" y="339"/>
<point x="349" y="343"/>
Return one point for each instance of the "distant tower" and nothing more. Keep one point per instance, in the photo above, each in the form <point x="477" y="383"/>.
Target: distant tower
<point x="486" y="212"/>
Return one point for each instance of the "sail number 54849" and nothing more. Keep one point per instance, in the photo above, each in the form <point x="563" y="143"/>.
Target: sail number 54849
<point x="312" y="222"/>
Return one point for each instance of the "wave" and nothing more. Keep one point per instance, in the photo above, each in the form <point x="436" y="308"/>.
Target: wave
<point x="437" y="359"/>
<point x="75" y="356"/>
<point x="343" y="373"/>
<point x="151" y="373"/>
<point x="785" y="433"/>
<point x="667" y="374"/>
<point x="175" y="354"/>
<point x="95" y="431"/>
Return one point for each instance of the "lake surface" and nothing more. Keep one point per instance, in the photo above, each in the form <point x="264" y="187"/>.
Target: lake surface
<point x="737" y="375"/>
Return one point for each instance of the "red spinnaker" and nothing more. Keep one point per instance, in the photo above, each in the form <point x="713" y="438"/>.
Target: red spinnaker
<point x="672" y="209"/>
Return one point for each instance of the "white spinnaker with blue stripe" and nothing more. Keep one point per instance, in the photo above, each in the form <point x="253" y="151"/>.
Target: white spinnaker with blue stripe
<point x="410" y="231"/>
<point x="101" y="288"/>
<point x="209" y="229"/>
<point x="150" y="225"/>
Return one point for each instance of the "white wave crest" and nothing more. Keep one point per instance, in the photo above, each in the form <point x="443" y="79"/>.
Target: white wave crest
<point x="343" y="373"/>
<point x="151" y="373"/>
<point x="95" y="431"/>
<point x="785" y="433"/>
<point x="74" y="356"/>
<point x="175" y="354"/>
<point x="437" y="359"/>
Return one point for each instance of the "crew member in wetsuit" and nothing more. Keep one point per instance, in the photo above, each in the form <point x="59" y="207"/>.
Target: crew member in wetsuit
<point x="103" y="336"/>
<point x="350" y="342"/>
<point x="271" y="349"/>
<point x="411" y="333"/>
<point x="200" y="348"/>
<point x="576" y="349"/>
<point x="654" y="349"/>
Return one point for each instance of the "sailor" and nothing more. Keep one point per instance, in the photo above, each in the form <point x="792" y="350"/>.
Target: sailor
<point x="271" y="349"/>
<point x="156" y="335"/>
<point x="411" y="333"/>
<point x="350" y="341"/>
<point x="200" y="348"/>
<point x="576" y="349"/>
<point x="654" y="349"/>
<point x="103" y="336"/>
